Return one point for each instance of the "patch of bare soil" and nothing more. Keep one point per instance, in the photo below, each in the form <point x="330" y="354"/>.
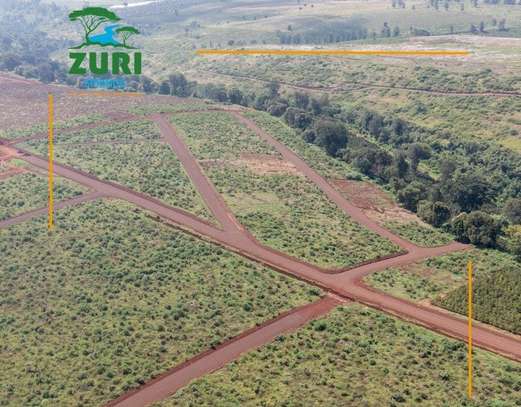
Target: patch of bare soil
<point x="7" y="153"/>
<point x="261" y="164"/>
<point x="375" y="203"/>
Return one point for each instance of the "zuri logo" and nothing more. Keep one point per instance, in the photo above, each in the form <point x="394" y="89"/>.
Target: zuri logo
<point x="103" y="30"/>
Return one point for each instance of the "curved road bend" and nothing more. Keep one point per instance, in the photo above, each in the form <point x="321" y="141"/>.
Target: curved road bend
<point x="344" y="284"/>
<point x="168" y="383"/>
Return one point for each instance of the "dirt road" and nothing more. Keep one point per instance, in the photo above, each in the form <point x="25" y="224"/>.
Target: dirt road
<point x="347" y="284"/>
<point x="168" y="383"/>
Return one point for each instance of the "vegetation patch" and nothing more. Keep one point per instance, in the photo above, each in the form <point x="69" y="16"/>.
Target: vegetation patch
<point x="112" y="298"/>
<point x="149" y="167"/>
<point x="26" y="191"/>
<point x="442" y="281"/>
<point x="290" y="214"/>
<point x="421" y="235"/>
<point x="357" y="357"/>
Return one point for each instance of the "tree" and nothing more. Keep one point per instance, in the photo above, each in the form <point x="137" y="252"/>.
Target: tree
<point x="91" y="18"/>
<point x="418" y="152"/>
<point x="434" y="213"/>
<point x="513" y="240"/>
<point x="126" y="33"/>
<point x="467" y="191"/>
<point x="478" y="228"/>
<point x="164" y="89"/>
<point x="512" y="210"/>
<point x="401" y="165"/>
<point x="411" y="195"/>
<point x="330" y="135"/>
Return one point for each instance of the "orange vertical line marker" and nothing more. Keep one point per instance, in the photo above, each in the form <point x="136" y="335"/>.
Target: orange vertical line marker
<point x="51" y="159"/>
<point x="469" y="302"/>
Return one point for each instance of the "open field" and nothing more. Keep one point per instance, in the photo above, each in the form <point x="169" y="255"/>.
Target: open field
<point x="24" y="191"/>
<point x="112" y="298"/>
<point x="276" y="204"/>
<point x="443" y="280"/>
<point x="356" y="356"/>
<point x="137" y="159"/>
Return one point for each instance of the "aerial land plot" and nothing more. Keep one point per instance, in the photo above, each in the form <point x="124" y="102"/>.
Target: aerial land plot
<point x="136" y="159"/>
<point x="442" y="281"/>
<point x="271" y="199"/>
<point x="27" y="190"/>
<point x="376" y="203"/>
<point x="112" y="298"/>
<point x="357" y="357"/>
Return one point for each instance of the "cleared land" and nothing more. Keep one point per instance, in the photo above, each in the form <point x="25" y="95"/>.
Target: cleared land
<point x="356" y="356"/>
<point x="281" y="208"/>
<point x="130" y="154"/>
<point x="25" y="191"/>
<point x="111" y="299"/>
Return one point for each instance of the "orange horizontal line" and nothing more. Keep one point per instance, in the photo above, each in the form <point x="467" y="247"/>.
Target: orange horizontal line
<point x="333" y="52"/>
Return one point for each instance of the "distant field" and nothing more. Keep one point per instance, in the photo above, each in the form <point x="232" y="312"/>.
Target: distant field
<point x="357" y="357"/>
<point x="442" y="280"/>
<point x="277" y="204"/>
<point x="112" y="298"/>
<point x="136" y="159"/>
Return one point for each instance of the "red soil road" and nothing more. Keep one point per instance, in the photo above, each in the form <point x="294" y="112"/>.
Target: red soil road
<point x="43" y="211"/>
<point x="210" y="361"/>
<point x="214" y="201"/>
<point x="346" y="284"/>
<point x="351" y="210"/>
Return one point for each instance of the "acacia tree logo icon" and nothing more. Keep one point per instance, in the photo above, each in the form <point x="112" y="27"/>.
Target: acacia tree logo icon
<point x="93" y="17"/>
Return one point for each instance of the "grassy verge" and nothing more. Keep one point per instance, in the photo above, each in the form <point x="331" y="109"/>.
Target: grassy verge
<point x="357" y="357"/>
<point x="419" y="234"/>
<point x="112" y="298"/>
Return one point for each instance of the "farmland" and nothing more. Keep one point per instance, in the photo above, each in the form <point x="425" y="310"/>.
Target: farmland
<point x="263" y="230"/>
<point x="112" y="298"/>
<point x="334" y="360"/>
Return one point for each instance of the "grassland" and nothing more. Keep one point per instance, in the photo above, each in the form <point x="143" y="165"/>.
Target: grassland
<point x="136" y="159"/>
<point x="419" y="234"/>
<point x="281" y="208"/>
<point x="25" y="191"/>
<point x="442" y="280"/>
<point x="112" y="298"/>
<point x="357" y="357"/>
<point x="314" y="156"/>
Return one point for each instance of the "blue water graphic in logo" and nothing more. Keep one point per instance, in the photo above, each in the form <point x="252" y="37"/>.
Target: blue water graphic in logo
<point x="107" y="38"/>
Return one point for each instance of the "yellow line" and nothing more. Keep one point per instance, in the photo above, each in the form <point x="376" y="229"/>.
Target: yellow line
<point x="469" y="358"/>
<point x="51" y="158"/>
<point x="332" y="52"/>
